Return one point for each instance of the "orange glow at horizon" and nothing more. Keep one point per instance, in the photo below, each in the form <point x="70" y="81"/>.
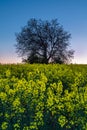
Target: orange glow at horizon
<point x="9" y="60"/>
<point x="15" y="60"/>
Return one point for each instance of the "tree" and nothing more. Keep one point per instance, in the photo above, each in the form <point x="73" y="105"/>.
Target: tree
<point x="43" y="42"/>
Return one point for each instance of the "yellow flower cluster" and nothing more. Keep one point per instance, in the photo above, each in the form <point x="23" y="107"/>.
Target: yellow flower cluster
<point x="42" y="97"/>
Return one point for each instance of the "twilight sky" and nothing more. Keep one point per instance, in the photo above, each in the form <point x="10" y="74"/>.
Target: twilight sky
<point x="14" y="14"/>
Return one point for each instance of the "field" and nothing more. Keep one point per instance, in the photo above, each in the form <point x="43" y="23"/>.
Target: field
<point x="43" y="97"/>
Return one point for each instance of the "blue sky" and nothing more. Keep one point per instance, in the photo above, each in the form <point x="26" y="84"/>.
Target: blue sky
<point x="14" y="14"/>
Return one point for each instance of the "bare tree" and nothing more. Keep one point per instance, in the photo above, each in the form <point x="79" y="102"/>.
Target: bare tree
<point x="43" y="42"/>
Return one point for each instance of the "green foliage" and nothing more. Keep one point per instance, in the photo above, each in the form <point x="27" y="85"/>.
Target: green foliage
<point x="43" y="97"/>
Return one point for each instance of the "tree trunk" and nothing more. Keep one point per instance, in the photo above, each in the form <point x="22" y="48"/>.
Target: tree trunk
<point x="45" y="56"/>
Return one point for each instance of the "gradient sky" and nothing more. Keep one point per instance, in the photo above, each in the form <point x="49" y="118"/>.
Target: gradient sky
<point x="14" y="14"/>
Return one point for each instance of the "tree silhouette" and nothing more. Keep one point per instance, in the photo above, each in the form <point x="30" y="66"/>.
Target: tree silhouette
<point x="43" y="42"/>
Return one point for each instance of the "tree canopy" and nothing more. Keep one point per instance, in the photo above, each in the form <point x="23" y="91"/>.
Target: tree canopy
<point x="43" y="42"/>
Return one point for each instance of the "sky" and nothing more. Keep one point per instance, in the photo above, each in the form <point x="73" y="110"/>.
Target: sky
<point x="71" y="14"/>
